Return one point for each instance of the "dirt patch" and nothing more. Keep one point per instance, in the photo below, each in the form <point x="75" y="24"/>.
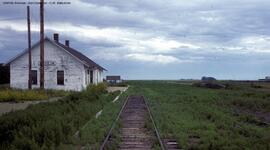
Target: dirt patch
<point x="116" y="88"/>
<point x="6" y="107"/>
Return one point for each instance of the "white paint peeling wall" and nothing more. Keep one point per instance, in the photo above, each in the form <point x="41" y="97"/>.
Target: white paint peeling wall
<point x="55" y="59"/>
<point x="98" y="76"/>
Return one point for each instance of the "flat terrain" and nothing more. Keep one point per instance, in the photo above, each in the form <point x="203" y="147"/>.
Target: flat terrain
<point x="6" y="107"/>
<point x="235" y="117"/>
<point x="201" y="118"/>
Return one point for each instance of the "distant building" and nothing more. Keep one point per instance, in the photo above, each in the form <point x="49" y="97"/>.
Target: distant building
<point x="113" y="79"/>
<point x="65" y="68"/>
<point x="266" y="79"/>
<point x="208" y="79"/>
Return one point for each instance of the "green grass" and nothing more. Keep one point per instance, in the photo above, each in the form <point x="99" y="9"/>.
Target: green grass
<point x="201" y="118"/>
<point x="95" y="131"/>
<point x="16" y="95"/>
<point x="52" y="125"/>
<point x="122" y="84"/>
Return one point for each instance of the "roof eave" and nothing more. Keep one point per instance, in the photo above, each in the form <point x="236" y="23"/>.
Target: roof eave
<point x="23" y="52"/>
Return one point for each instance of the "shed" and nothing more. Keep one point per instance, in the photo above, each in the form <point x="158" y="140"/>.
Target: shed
<point x="113" y="79"/>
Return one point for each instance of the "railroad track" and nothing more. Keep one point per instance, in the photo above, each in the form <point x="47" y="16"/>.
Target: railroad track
<point x="134" y="132"/>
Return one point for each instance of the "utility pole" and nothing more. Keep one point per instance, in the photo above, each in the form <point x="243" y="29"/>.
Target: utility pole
<point x="29" y="48"/>
<point x="41" y="44"/>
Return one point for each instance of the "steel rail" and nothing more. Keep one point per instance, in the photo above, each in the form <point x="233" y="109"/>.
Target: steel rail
<point x="113" y="125"/>
<point x="118" y="116"/>
<point x="154" y="124"/>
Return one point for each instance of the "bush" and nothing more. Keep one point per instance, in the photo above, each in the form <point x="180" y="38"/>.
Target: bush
<point x="209" y="85"/>
<point x="256" y="86"/>
<point x="20" y="95"/>
<point x="93" y="91"/>
<point x="48" y="125"/>
<point x="15" y="95"/>
<point x="97" y="89"/>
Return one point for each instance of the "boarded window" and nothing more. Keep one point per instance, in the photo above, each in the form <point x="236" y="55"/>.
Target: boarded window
<point x="60" y="77"/>
<point x="91" y="76"/>
<point x="34" y="76"/>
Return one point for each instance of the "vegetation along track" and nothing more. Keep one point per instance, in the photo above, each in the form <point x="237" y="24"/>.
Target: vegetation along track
<point x="134" y="132"/>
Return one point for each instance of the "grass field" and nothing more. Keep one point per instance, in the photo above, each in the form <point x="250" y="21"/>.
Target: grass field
<point x="52" y="125"/>
<point x="94" y="132"/>
<point x="201" y="118"/>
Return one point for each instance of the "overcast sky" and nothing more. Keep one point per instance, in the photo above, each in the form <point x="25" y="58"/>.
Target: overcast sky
<point x="153" y="39"/>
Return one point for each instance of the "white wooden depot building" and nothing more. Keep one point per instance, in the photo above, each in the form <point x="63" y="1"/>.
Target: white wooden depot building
<point x="65" y="68"/>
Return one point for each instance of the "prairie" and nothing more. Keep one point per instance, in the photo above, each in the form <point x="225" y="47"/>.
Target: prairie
<point x="201" y="118"/>
<point x="235" y="117"/>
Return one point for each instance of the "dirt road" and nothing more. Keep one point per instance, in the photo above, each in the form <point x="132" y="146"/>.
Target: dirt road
<point x="6" y="107"/>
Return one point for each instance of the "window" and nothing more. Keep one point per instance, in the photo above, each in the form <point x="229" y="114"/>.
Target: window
<point x="91" y="76"/>
<point x="60" y="77"/>
<point x="87" y="77"/>
<point x="34" y="77"/>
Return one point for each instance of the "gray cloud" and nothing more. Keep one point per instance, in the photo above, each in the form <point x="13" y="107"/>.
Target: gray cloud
<point x="200" y="31"/>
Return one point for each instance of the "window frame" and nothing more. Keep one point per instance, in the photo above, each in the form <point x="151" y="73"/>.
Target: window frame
<point x="58" y="76"/>
<point x="34" y="72"/>
<point x="91" y="76"/>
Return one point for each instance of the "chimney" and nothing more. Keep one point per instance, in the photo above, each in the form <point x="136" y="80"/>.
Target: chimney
<point x="56" y="37"/>
<point x="67" y="43"/>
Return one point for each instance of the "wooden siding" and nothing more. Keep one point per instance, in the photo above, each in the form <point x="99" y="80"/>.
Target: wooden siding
<point x="55" y="59"/>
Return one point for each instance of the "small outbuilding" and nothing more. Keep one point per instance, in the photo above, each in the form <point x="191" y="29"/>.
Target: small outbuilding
<point x="113" y="79"/>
